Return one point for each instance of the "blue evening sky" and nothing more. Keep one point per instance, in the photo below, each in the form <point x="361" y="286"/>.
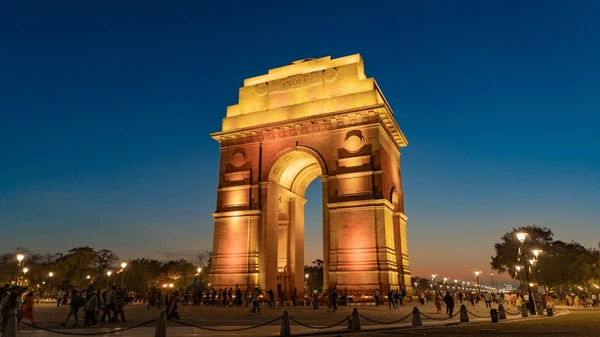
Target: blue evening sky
<point x="106" y="109"/>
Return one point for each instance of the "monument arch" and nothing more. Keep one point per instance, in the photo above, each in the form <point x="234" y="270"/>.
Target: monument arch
<point x="313" y="119"/>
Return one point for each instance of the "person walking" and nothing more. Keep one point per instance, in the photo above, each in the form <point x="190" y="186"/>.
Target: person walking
<point x="449" y="300"/>
<point x="334" y="298"/>
<point x="76" y="302"/>
<point x="255" y="306"/>
<point x="91" y="305"/>
<point x="9" y="306"/>
<point x="27" y="308"/>
<point x="173" y="306"/>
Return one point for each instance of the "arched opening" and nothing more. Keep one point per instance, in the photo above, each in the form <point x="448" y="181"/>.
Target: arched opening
<point x="313" y="234"/>
<point x="292" y="175"/>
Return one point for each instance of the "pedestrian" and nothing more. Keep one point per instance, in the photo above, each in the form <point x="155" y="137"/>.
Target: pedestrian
<point x="76" y="302"/>
<point x="9" y="306"/>
<point x="255" y="307"/>
<point x="173" y="306"/>
<point x="59" y="298"/>
<point x="91" y="305"/>
<point x="449" y="300"/>
<point x="334" y="298"/>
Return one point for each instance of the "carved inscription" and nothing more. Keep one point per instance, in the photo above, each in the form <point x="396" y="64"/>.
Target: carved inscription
<point x="295" y="82"/>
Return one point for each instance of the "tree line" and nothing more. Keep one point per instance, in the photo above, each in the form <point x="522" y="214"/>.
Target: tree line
<point x="560" y="266"/>
<point x="84" y="266"/>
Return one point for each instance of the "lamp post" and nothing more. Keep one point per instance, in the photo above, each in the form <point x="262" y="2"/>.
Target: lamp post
<point x="20" y="258"/>
<point x="50" y="274"/>
<point x="25" y="270"/>
<point x="108" y="273"/>
<point x="519" y="274"/>
<point x="492" y="275"/>
<point x="123" y="265"/>
<point x="477" y="272"/>
<point x="433" y="278"/>
<point x="521" y="237"/>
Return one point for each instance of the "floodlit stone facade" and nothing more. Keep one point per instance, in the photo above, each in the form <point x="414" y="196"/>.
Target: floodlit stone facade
<point x="317" y="118"/>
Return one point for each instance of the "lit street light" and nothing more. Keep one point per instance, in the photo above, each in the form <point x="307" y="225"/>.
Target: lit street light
<point x="492" y="275"/>
<point x="477" y="272"/>
<point x="20" y="258"/>
<point x="108" y="273"/>
<point x="530" y="304"/>
<point x="123" y="265"/>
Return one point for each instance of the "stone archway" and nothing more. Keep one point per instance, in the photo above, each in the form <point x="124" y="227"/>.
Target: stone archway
<point x="319" y="118"/>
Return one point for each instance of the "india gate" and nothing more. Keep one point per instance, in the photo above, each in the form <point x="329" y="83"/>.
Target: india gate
<point x="313" y="119"/>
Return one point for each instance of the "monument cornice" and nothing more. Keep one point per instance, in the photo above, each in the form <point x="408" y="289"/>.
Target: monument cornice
<point x="379" y="113"/>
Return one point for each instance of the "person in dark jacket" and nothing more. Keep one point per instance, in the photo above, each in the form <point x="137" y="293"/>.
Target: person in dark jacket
<point x="449" y="300"/>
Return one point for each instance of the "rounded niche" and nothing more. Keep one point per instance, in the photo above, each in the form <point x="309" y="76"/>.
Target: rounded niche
<point x="261" y="89"/>
<point x="354" y="142"/>
<point x="329" y="74"/>
<point x="238" y="159"/>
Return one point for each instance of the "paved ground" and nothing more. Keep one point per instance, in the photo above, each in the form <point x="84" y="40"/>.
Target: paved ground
<point x="578" y="322"/>
<point x="49" y="317"/>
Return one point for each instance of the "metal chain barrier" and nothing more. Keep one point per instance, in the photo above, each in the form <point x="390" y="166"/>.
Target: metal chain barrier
<point x="379" y="322"/>
<point x="510" y="313"/>
<point x="320" y="327"/>
<point x="225" y="330"/>
<point x="478" y="315"/>
<point x="88" y="334"/>
<point x="441" y="319"/>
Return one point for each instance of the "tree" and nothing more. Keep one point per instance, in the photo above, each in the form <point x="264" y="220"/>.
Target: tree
<point x="559" y="264"/>
<point x="315" y="276"/>
<point x="180" y="273"/>
<point x="141" y="275"/>
<point x="72" y="269"/>
<point x="507" y="252"/>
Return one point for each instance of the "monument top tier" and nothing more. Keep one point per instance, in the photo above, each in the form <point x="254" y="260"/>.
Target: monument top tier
<point x="307" y="89"/>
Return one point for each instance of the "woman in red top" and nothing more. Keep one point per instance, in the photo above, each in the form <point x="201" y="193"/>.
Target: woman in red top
<point x="27" y="309"/>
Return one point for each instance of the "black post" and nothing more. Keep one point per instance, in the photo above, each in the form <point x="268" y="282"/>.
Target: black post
<point x="530" y="303"/>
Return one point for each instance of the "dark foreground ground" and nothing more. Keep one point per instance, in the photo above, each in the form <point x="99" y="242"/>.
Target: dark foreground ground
<point x="567" y="322"/>
<point x="577" y="322"/>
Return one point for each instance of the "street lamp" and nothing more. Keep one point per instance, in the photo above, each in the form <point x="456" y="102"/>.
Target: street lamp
<point x="20" y="258"/>
<point x="433" y="277"/>
<point x="123" y="265"/>
<point x="521" y="237"/>
<point x="492" y="275"/>
<point x="108" y="273"/>
<point x="25" y="270"/>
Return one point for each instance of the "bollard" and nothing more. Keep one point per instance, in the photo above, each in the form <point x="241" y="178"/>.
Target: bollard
<point x="464" y="315"/>
<point x="285" y="325"/>
<point x="501" y="312"/>
<point x="11" y="327"/>
<point x="524" y="312"/>
<point x="494" y="315"/>
<point x="416" y="316"/>
<point x="540" y="308"/>
<point x="161" y="326"/>
<point x="354" y="320"/>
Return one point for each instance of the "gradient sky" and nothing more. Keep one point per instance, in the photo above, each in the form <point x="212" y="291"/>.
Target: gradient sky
<point x="106" y="109"/>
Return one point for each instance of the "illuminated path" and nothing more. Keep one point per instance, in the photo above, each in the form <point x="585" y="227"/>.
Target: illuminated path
<point x="49" y="316"/>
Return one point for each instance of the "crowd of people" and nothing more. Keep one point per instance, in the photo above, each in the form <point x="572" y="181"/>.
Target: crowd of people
<point x="107" y="306"/>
